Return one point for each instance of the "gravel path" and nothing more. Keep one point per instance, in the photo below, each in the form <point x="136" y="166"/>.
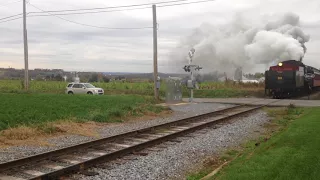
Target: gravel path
<point x="177" y="159"/>
<point x="181" y="111"/>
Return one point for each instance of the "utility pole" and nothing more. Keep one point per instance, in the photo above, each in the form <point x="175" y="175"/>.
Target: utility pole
<point x="25" y="41"/>
<point x="155" y="52"/>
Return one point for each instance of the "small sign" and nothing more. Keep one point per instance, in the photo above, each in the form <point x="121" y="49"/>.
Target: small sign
<point x="309" y="75"/>
<point x="279" y="78"/>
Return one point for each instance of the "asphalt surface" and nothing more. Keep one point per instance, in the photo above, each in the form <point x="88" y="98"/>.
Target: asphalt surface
<point x="258" y="101"/>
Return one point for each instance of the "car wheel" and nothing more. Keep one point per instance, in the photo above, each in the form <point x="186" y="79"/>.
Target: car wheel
<point x="89" y="93"/>
<point x="70" y="92"/>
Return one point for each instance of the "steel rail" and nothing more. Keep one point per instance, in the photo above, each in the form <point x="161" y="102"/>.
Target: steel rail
<point x="58" y="152"/>
<point x="137" y="147"/>
<point x="132" y="148"/>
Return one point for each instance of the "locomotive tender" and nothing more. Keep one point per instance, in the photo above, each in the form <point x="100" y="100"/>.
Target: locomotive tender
<point x="291" y="77"/>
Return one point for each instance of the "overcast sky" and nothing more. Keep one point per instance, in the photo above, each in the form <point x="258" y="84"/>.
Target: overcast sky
<point x="54" y="43"/>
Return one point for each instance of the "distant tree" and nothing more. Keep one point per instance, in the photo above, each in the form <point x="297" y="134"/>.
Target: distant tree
<point x="69" y="79"/>
<point x="106" y="79"/>
<point x="100" y="77"/>
<point x="258" y="75"/>
<point x="39" y="78"/>
<point x="47" y="77"/>
<point x="84" y="77"/>
<point x="58" y="77"/>
<point x="199" y="78"/>
<point x="93" y="78"/>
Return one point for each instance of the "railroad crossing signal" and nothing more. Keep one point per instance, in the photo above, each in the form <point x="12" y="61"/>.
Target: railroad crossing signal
<point x="189" y="68"/>
<point x="191" y="84"/>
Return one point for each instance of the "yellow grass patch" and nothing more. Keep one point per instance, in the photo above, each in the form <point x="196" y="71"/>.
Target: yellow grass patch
<point x="37" y="136"/>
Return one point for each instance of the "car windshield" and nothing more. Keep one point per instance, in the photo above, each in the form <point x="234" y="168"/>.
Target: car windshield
<point x="89" y="85"/>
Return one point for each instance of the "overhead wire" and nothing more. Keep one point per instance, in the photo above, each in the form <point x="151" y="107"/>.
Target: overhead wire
<point x="131" y="28"/>
<point x="11" y="16"/>
<point x="10" y="19"/>
<point x="113" y="7"/>
<point x="196" y="2"/>
<point x="103" y="11"/>
<point x="93" y="12"/>
<point x="164" y="4"/>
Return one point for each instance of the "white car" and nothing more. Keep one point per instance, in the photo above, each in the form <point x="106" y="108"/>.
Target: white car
<point x="83" y="88"/>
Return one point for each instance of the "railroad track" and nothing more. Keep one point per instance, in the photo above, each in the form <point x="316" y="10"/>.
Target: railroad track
<point x="54" y="164"/>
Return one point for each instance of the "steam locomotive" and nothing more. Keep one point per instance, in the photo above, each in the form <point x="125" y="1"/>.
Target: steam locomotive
<point x="290" y="78"/>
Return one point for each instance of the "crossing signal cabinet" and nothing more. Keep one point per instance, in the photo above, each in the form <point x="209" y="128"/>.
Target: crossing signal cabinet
<point x="174" y="89"/>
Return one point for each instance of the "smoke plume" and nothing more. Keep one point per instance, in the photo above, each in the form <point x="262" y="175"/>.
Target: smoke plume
<point x="243" y="44"/>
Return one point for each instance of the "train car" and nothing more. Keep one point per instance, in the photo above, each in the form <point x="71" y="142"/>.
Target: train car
<point x="285" y="79"/>
<point x="312" y="77"/>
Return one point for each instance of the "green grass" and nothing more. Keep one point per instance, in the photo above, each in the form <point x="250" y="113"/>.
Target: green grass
<point x="36" y="109"/>
<point x="206" y="90"/>
<point x="199" y="175"/>
<point x="15" y="86"/>
<point x="290" y="152"/>
<point x="293" y="153"/>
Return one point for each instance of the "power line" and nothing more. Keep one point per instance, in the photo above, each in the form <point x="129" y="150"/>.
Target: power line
<point x="93" y="12"/>
<point x="75" y="13"/>
<point x="102" y="11"/>
<point x="10" y="19"/>
<point x="196" y="2"/>
<point x="11" y="16"/>
<point x="112" y="7"/>
<point x="88" y="24"/>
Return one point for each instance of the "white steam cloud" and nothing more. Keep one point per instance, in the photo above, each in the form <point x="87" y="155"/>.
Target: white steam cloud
<point x="241" y="44"/>
<point x="268" y="46"/>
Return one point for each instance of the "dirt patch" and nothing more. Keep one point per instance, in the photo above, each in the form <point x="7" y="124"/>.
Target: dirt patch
<point x="150" y="116"/>
<point x="37" y="136"/>
<point x="214" y="162"/>
<point x="21" y="136"/>
<point x="84" y="129"/>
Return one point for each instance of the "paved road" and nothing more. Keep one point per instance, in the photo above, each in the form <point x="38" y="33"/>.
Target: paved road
<point x="259" y="101"/>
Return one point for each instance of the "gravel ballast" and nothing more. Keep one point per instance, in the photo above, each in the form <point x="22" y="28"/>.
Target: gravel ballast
<point x="176" y="159"/>
<point x="181" y="111"/>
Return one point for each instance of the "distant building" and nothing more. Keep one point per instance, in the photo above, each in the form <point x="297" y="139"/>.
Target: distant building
<point x="238" y="74"/>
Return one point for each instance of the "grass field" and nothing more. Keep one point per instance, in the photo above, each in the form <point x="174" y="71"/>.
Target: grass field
<point x="207" y="89"/>
<point x="292" y="153"/>
<point x="38" y="109"/>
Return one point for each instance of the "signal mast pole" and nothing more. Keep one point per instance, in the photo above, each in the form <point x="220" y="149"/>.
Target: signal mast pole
<point x="191" y="53"/>
<point x="25" y="42"/>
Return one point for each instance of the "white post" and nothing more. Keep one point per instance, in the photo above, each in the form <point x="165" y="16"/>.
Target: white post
<point x="191" y="97"/>
<point x="191" y="53"/>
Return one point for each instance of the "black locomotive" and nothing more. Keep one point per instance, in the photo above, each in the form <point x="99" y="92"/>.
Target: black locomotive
<point x="290" y="78"/>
